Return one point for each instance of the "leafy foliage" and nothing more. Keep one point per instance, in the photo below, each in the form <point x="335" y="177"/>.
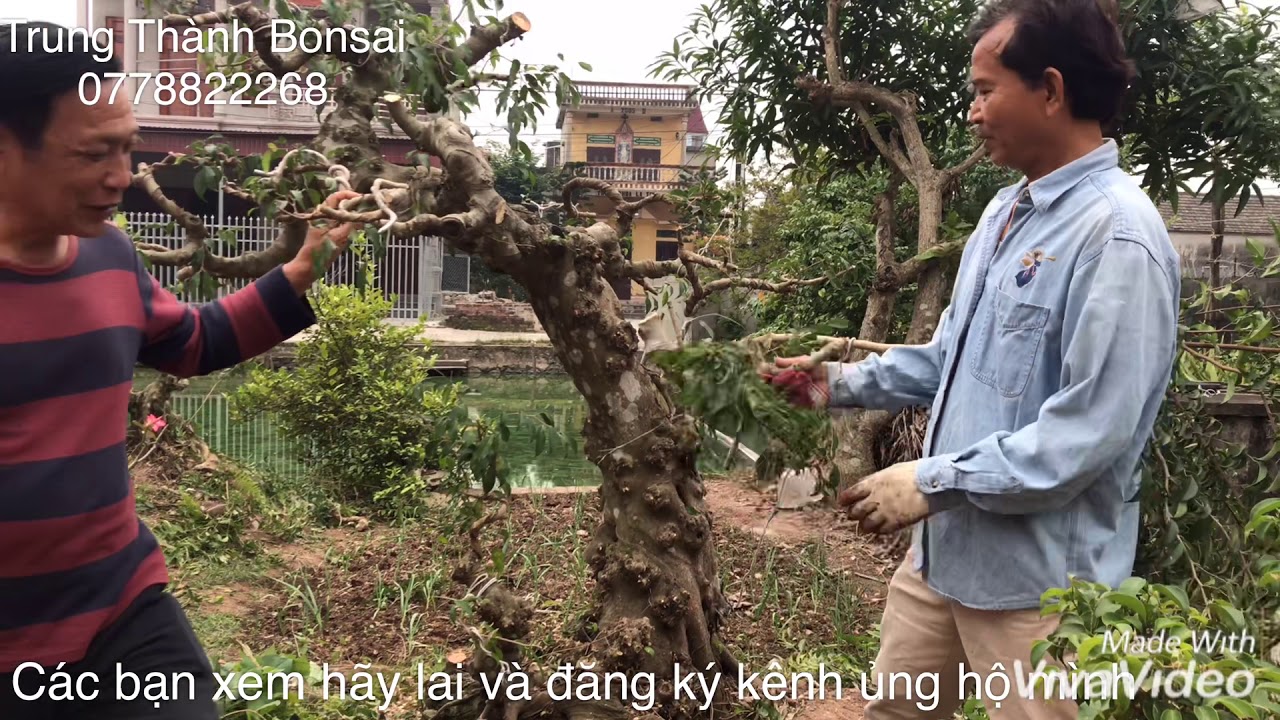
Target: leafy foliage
<point x="1199" y="481"/>
<point x="377" y="431"/>
<point x="719" y="384"/>
<point x="750" y="52"/>
<point x="803" y="230"/>
<point x="1206" y="102"/>
<point x="357" y="402"/>
<point x="1098" y="625"/>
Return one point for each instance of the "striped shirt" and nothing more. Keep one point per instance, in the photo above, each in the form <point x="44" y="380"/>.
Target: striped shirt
<point x="73" y="552"/>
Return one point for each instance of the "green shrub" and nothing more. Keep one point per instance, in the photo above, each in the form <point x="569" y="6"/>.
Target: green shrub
<point x="357" y="403"/>
<point x="1210" y="661"/>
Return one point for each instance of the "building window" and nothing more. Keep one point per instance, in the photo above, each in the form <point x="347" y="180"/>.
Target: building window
<point x="668" y="249"/>
<point x="647" y="157"/>
<point x="601" y="155"/>
<point x="174" y="60"/>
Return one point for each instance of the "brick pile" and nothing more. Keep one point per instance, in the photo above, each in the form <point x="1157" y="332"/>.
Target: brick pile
<point x="487" y="311"/>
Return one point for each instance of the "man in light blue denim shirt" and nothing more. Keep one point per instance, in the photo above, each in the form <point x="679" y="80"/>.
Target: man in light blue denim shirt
<point x="1044" y="376"/>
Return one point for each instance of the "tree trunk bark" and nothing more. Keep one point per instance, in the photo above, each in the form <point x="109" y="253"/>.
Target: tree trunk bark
<point x="858" y="430"/>
<point x="659" y="596"/>
<point x="931" y="291"/>
<point x="1217" y="228"/>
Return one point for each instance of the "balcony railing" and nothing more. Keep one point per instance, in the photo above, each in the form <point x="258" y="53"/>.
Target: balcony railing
<point x="636" y="94"/>
<point x="277" y="117"/>
<point x="637" y="178"/>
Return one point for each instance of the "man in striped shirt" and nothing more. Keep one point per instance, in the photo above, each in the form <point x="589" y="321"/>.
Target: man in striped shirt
<point x="82" y="580"/>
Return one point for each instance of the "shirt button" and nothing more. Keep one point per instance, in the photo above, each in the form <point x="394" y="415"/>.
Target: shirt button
<point x="934" y="483"/>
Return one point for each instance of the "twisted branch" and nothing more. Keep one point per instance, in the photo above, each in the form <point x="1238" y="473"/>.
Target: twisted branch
<point x="917" y="164"/>
<point x="834" y="349"/>
<point x="247" y="265"/>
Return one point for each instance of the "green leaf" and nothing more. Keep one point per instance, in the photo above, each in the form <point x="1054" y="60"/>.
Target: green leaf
<point x="1204" y="712"/>
<point x="1087" y="647"/>
<point x="1238" y="707"/>
<point x="1038" y="651"/>
<point x="1128" y="602"/>
<point x="1223" y="609"/>
<point x="1261" y="513"/>
<point x="1176" y="594"/>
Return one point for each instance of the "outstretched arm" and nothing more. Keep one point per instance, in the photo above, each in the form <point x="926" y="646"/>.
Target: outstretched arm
<point x="903" y="376"/>
<point x="187" y="340"/>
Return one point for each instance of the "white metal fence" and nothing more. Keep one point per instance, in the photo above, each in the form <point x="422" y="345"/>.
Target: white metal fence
<point x="256" y="443"/>
<point x="411" y="269"/>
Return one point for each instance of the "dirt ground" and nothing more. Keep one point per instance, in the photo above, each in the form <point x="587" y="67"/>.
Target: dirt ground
<point x="735" y="504"/>
<point x="794" y="579"/>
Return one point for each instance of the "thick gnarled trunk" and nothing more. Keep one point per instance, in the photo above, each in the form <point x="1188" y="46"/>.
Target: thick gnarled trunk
<point x="660" y="600"/>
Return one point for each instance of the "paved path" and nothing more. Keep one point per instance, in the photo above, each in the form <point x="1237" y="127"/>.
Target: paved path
<point x="452" y="336"/>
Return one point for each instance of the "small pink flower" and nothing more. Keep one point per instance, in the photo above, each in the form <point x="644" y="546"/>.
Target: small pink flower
<point x="155" y="424"/>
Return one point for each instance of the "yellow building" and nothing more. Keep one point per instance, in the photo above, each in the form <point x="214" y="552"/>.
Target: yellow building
<point x="638" y="138"/>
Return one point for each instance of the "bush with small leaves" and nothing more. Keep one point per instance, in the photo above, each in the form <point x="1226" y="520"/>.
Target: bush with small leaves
<point x="357" y="402"/>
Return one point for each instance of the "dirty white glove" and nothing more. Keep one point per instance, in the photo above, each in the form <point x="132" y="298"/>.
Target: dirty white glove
<point x="886" y="501"/>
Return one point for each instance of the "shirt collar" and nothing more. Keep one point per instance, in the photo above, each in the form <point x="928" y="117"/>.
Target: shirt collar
<point x="1045" y="191"/>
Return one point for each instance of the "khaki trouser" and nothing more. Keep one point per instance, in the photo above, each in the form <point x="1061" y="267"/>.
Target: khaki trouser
<point x="925" y="638"/>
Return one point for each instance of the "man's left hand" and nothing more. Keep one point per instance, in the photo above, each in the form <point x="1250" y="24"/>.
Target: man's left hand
<point x="886" y="501"/>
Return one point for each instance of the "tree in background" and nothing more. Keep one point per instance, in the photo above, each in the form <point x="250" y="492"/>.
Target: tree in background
<point x="888" y="93"/>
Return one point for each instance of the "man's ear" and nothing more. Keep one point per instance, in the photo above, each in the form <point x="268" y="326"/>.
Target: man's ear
<point x="1055" y="90"/>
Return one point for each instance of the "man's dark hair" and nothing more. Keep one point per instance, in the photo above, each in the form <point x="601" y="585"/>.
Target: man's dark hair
<point x="1080" y="38"/>
<point x="31" y="78"/>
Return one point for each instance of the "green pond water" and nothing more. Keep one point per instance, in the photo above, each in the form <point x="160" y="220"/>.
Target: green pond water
<point x="257" y="442"/>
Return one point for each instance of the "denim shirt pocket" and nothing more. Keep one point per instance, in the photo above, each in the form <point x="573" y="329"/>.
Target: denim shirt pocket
<point x="1011" y="339"/>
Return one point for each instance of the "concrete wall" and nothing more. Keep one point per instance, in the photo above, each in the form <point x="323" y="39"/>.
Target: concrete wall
<point x="1243" y="421"/>
<point x="492" y="359"/>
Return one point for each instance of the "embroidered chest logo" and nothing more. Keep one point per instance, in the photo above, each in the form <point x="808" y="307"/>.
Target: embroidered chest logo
<point x="1031" y="263"/>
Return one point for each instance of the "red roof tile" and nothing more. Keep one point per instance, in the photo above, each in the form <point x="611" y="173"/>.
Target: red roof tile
<point x="696" y="123"/>
<point x="1195" y="216"/>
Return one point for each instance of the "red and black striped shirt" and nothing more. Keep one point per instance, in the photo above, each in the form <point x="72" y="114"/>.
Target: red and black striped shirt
<point x="73" y="552"/>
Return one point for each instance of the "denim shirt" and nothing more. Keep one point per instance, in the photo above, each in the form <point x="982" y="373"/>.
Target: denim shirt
<point x="1044" y="378"/>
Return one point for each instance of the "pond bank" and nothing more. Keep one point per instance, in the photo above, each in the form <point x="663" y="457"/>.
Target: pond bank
<point x="480" y="353"/>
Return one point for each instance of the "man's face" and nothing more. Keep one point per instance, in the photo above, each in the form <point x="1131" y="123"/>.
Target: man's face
<point x="1011" y="118"/>
<point x="75" y="180"/>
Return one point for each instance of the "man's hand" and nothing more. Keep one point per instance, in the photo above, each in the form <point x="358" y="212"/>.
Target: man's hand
<point x="804" y="382"/>
<point x="886" y="501"/>
<point x="301" y="269"/>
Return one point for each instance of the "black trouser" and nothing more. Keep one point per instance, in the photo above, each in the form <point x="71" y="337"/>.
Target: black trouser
<point x="152" y="636"/>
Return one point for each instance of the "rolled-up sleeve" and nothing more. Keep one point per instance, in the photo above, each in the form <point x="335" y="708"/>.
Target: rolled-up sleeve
<point x="1119" y="340"/>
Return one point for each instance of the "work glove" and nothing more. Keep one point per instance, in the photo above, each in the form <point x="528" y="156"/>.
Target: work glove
<point x="806" y="388"/>
<point x="886" y="501"/>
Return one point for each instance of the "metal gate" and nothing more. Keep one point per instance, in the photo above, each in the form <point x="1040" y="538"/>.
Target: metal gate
<point x="410" y="270"/>
<point x="430" y="272"/>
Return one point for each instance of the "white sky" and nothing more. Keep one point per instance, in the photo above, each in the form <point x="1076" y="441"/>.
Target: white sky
<point x="620" y="39"/>
<point x="619" y="50"/>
